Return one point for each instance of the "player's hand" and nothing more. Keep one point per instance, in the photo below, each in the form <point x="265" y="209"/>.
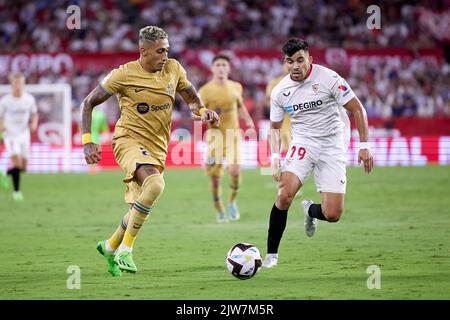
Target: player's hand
<point x="211" y="117"/>
<point x="366" y="157"/>
<point x="276" y="169"/>
<point x="92" y="153"/>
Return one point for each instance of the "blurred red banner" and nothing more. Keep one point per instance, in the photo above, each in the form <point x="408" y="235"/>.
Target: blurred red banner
<point x="259" y="60"/>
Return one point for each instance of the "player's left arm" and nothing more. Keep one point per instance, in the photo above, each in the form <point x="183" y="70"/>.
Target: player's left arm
<point x="359" y="113"/>
<point x="34" y="119"/>
<point x="194" y="102"/>
<point x="243" y="114"/>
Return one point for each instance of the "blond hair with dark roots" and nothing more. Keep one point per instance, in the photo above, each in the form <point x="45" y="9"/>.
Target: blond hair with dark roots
<point x="152" y="34"/>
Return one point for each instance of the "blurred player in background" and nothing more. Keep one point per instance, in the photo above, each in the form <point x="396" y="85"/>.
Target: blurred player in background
<point x="146" y="91"/>
<point x="285" y="133"/>
<point x="18" y="115"/>
<point x="312" y="95"/>
<point x="225" y="97"/>
<point x="99" y="128"/>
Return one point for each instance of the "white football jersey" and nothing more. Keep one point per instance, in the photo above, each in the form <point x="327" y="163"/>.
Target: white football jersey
<point x="16" y="112"/>
<point x="313" y="104"/>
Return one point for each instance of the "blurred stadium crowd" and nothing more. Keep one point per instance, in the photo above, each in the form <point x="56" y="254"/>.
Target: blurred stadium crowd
<point x="416" y="87"/>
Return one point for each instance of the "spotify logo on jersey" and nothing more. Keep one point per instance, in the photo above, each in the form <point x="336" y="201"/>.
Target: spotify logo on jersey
<point x="142" y="108"/>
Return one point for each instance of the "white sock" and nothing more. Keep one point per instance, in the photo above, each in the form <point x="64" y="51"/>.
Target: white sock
<point x="108" y="247"/>
<point x="123" y="247"/>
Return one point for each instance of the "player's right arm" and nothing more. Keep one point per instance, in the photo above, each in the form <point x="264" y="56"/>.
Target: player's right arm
<point x="275" y="143"/>
<point x="276" y="120"/>
<point x="92" y="151"/>
<point x="191" y="97"/>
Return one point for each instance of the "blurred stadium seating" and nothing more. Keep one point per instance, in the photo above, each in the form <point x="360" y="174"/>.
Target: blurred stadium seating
<point x="401" y="70"/>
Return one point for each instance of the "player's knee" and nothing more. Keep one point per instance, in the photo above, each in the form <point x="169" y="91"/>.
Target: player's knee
<point x="152" y="188"/>
<point x="285" y="199"/>
<point x="235" y="172"/>
<point x="215" y="181"/>
<point x="333" y="214"/>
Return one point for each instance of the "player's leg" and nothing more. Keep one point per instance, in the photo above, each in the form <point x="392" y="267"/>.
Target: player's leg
<point x="13" y="149"/>
<point x="107" y="248"/>
<point x="288" y="187"/>
<point x="332" y="206"/>
<point x="330" y="178"/>
<point x="116" y="238"/>
<point x="152" y="185"/>
<point x="14" y="172"/>
<point x="215" y="172"/>
<point x="214" y="169"/>
<point x="235" y="179"/>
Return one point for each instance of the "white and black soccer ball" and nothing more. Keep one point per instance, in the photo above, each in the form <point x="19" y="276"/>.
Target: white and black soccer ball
<point x="243" y="260"/>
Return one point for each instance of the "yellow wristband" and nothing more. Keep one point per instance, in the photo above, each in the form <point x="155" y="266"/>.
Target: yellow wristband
<point x="202" y="111"/>
<point x="86" y="138"/>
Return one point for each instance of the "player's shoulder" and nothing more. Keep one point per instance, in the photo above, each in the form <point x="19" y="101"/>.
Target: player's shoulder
<point x="282" y="85"/>
<point x="325" y="74"/>
<point x="205" y="87"/>
<point x="236" y="84"/>
<point x="28" y="96"/>
<point x="129" y="67"/>
<point x="173" y="65"/>
<point x="6" y="97"/>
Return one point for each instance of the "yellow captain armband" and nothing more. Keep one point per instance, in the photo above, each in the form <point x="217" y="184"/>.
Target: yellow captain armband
<point x="86" y="138"/>
<point x="201" y="111"/>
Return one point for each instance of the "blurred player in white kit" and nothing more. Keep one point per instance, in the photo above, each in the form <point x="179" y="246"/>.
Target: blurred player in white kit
<point x="18" y="115"/>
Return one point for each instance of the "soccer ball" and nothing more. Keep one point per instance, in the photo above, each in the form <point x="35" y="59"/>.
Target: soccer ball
<point x="243" y="261"/>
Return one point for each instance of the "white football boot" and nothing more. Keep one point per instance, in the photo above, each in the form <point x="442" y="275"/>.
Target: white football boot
<point x="271" y="260"/>
<point x="221" y="217"/>
<point x="309" y="222"/>
<point x="233" y="212"/>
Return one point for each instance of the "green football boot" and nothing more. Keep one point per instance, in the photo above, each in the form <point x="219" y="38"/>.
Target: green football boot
<point x="125" y="262"/>
<point x="113" y="268"/>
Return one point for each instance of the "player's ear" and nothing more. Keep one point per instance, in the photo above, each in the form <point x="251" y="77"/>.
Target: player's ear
<point x="142" y="51"/>
<point x="310" y="59"/>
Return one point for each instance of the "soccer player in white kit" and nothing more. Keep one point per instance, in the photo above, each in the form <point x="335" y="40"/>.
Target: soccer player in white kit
<point x="312" y="95"/>
<point x="18" y="115"/>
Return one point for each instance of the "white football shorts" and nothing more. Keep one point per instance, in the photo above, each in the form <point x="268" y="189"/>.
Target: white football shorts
<point x="326" y="156"/>
<point x="19" y="145"/>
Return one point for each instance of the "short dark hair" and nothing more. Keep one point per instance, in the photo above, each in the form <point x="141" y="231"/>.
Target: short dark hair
<point x="221" y="56"/>
<point x="293" y="45"/>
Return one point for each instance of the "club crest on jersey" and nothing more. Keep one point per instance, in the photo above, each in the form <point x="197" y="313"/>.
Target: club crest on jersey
<point x="170" y="89"/>
<point x="315" y="87"/>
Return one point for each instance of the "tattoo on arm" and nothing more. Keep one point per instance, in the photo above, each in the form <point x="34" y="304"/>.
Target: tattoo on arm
<point x="191" y="97"/>
<point x="96" y="97"/>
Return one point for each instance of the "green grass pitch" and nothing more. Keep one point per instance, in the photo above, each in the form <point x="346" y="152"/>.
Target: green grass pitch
<point x="396" y="218"/>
